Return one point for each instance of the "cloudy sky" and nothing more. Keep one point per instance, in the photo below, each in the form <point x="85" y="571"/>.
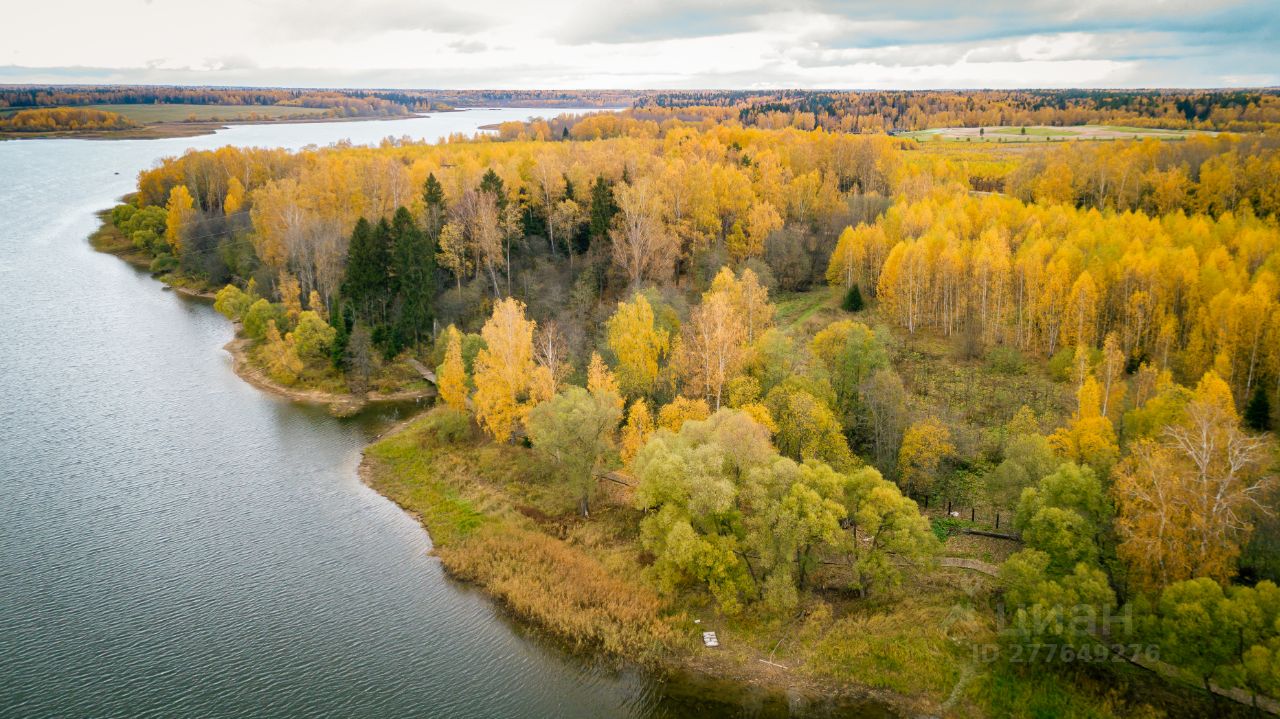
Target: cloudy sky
<point x="646" y="43"/>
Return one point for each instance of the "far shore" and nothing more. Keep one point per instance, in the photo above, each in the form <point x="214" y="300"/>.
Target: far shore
<point x="162" y="130"/>
<point x="182" y="128"/>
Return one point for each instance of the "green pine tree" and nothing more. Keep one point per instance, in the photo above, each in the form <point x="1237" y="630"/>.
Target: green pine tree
<point x="492" y="184"/>
<point x="602" y="209"/>
<point x="433" y="198"/>
<point x="1257" y="414"/>
<point x="414" y="260"/>
<point x="853" y="300"/>
<point x="368" y="262"/>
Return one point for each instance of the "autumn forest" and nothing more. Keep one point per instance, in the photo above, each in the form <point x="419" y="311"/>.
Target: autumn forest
<point x="760" y="359"/>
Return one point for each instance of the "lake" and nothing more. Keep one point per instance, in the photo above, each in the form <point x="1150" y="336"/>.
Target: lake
<point x="174" y="542"/>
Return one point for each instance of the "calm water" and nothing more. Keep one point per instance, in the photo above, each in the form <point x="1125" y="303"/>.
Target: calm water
<point x="174" y="542"/>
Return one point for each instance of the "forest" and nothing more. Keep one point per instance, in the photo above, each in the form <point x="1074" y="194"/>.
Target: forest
<point x="48" y="120"/>
<point x="1242" y="111"/>
<point x="734" y="365"/>
<point x="881" y="111"/>
<point x="362" y="102"/>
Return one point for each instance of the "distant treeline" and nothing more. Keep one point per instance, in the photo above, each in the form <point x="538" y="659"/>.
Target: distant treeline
<point x="376" y="102"/>
<point x="859" y="112"/>
<point x="50" y="120"/>
<point x="338" y="103"/>
<point x="1234" y="110"/>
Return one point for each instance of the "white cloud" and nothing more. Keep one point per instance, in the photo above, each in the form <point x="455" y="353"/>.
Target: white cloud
<point x="648" y="43"/>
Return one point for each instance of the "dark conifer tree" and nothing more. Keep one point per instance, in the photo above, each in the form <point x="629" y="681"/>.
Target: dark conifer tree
<point x="492" y="184"/>
<point x="1257" y="414"/>
<point x="602" y="209"/>
<point x="433" y="198"/>
<point x="368" y="282"/>
<point x="853" y="300"/>
<point x="342" y="318"/>
<point x="414" y="259"/>
<point x="385" y="289"/>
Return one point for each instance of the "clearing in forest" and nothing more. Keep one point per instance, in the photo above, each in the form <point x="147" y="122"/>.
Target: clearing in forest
<point x="1042" y="133"/>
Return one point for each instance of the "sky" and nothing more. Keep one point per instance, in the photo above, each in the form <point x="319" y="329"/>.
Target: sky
<point x="665" y="44"/>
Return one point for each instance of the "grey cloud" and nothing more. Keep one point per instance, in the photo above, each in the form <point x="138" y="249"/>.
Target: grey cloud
<point x="1177" y="43"/>
<point x="922" y="32"/>
<point x="1257" y="20"/>
<point x="653" y="20"/>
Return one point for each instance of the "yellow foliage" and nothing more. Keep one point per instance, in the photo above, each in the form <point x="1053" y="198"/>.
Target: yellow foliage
<point x="1090" y="438"/>
<point x="452" y="374"/>
<point x="290" y="296"/>
<point x="283" y="363"/>
<point x="638" y="344"/>
<point x="681" y="410"/>
<point x="600" y="380"/>
<point x="181" y="210"/>
<point x="1184" y="501"/>
<point x="316" y="305"/>
<point x="760" y="414"/>
<point x="234" y="200"/>
<point x="636" y="431"/>
<point x="506" y="377"/>
<point x="924" y="445"/>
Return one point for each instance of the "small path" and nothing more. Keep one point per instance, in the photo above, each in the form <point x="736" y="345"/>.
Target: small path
<point x="427" y="374"/>
<point x="974" y="564"/>
<point x="1173" y="673"/>
<point x="617" y="477"/>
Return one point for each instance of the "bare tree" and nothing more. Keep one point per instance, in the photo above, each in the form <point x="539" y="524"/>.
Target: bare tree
<point x="551" y="350"/>
<point x="642" y="245"/>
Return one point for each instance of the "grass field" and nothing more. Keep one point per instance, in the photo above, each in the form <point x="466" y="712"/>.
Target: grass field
<point x="149" y="114"/>
<point x="1035" y="131"/>
<point x="1038" y="133"/>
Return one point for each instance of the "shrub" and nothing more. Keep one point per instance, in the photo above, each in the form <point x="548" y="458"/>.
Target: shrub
<point x="1006" y="360"/>
<point x="121" y="214"/>
<point x="164" y="264"/>
<point x="257" y="317"/>
<point x="448" y="424"/>
<point x="231" y="302"/>
<point x="946" y="526"/>
<point x="313" y="336"/>
<point x="146" y="240"/>
<point x="1062" y="363"/>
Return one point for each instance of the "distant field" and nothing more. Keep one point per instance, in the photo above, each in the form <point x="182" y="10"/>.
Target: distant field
<point x="1006" y="134"/>
<point x="1037" y="131"/>
<point x="148" y="114"/>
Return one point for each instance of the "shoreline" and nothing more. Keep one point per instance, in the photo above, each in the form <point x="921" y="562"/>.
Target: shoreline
<point x="176" y="129"/>
<point x="339" y="404"/>
<point x="694" y="664"/>
<point x="181" y="128"/>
